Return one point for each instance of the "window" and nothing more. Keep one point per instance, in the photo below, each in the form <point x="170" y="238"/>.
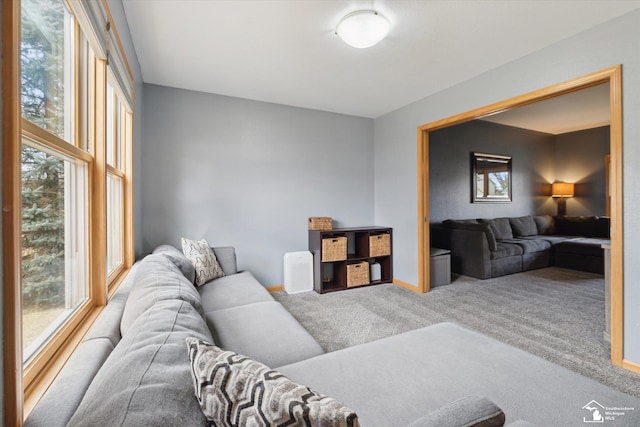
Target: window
<point x="68" y="175"/>
<point x="54" y="184"/>
<point x="54" y="242"/>
<point x="117" y="135"/>
<point x="47" y="66"/>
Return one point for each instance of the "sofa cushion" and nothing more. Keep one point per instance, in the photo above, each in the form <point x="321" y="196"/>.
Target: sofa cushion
<point x="157" y="279"/>
<point x="203" y="259"/>
<point x="530" y="245"/>
<point x="107" y="325"/>
<point x="231" y="291"/>
<point x="523" y="226"/>
<point x="148" y="369"/>
<point x="419" y="371"/>
<point x="473" y="225"/>
<point x="234" y="390"/>
<point x="501" y="228"/>
<point x="544" y="224"/>
<point x="71" y="384"/>
<point x="264" y="331"/>
<point x="575" y="225"/>
<point x="553" y="240"/>
<point x="470" y="411"/>
<point x="179" y="260"/>
<point x="582" y="246"/>
<point x="504" y="250"/>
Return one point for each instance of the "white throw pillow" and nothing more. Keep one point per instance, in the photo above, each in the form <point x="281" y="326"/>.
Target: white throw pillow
<point x="203" y="259"/>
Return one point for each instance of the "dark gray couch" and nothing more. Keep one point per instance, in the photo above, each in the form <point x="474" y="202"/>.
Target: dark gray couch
<point x="485" y="248"/>
<point x="133" y="370"/>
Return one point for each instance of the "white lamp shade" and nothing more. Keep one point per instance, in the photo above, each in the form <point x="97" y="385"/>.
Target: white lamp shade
<point x="363" y="28"/>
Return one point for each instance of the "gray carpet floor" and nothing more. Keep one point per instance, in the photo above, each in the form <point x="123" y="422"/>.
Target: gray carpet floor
<point x="554" y="313"/>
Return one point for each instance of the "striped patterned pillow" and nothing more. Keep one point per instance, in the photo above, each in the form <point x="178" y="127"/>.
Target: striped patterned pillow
<point x="234" y="390"/>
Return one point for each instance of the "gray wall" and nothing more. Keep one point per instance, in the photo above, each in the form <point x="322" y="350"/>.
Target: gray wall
<point x="615" y="42"/>
<point x="450" y="170"/>
<point x="579" y="158"/>
<point x="249" y="174"/>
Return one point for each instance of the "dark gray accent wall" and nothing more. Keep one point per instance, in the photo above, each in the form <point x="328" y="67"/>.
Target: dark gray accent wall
<point x="579" y="158"/>
<point x="612" y="43"/>
<point x="538" y="160"/>
<point x="450" y="170"/>
<point x="249" y="174"/>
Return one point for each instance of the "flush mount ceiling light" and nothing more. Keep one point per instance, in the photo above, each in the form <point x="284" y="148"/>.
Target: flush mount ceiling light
<point x="363" y="28"/>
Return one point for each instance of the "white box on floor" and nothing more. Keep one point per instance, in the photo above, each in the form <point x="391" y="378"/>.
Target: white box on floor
<point x="376" y="272"/>
<point x="298" y="272"/>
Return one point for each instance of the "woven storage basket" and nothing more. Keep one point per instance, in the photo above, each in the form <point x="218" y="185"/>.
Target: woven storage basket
<point x="320" y="223"/>
<point x="358" y="274"/>
<point x="334" y="249"/>
<point x="380" y="245"/>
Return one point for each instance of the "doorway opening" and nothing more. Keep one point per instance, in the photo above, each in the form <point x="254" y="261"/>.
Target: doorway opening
<point x="612" y="76"/>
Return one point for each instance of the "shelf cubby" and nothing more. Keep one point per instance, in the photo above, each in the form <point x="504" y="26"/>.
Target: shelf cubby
<point x="330" y="271"/>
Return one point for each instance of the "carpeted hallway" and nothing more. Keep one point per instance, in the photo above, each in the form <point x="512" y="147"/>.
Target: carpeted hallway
<point x="555" y="313"/>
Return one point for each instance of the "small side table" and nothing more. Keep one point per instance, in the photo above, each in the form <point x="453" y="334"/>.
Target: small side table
<point x="440" y="267"/>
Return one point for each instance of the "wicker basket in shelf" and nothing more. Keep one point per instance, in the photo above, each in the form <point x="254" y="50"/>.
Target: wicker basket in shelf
<point x="320" y="223"/>
<point x="358" y="274"/>
<point x="379" y="245"/>
<point x="334" y="249"/>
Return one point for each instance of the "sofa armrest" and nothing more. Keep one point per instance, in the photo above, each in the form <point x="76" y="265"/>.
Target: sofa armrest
<point x="470" y="411"/>
<point x="470" y="253"/>
<point x="226" y="256"/>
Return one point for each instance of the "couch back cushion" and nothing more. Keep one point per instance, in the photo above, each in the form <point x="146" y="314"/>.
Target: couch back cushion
<point x="584" y="226"/>
<point x="523" y="226"/>
<point x="501" y="228"/>
<point x="473" y="225"/>
<point x="545" y="224"/>
<point x="146" y="381"/>
<point x="157" y="279"/>
<point x="178" y="258"/>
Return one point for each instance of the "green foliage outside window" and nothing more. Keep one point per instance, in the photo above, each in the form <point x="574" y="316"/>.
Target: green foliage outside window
<point x="43" y="102"/>
<point x="42" y="229"/>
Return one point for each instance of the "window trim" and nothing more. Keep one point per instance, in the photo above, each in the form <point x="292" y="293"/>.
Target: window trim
<point x="11" y="215"/>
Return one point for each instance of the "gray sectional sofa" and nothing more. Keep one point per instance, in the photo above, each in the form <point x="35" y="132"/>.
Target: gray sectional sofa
<point x="485" y="248"/>
<point x="132" y="369"/>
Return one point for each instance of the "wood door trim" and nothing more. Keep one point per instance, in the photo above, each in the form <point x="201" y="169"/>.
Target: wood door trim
<point x="613" y="76"/>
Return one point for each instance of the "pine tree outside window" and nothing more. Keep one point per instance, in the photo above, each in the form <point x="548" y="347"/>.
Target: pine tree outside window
<point x="54" y="184"/>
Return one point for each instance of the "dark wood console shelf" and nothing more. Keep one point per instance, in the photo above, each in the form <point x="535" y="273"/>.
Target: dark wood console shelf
<point x="346" y="258"/>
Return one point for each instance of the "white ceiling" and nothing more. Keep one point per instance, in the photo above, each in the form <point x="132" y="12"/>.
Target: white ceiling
<point x="285" y="51"/>
<point x="584" y="109"/>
